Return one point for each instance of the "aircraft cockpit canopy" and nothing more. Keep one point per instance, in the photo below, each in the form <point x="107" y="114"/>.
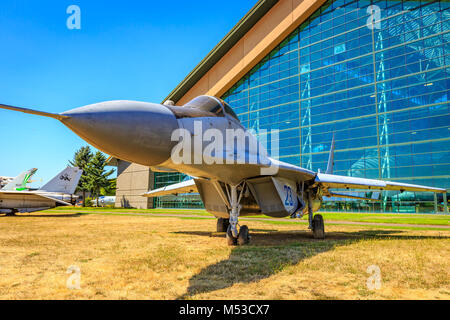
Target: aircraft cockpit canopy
<point x="211" y="104"/>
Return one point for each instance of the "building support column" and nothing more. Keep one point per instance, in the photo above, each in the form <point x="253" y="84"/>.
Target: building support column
<point x="445" y="202"/>
<point x="435" y="203"/>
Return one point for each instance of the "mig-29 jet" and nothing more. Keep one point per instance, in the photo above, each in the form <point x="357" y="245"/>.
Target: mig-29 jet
<point x="204" y="139"/>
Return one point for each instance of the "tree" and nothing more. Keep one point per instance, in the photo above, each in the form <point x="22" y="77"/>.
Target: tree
<point x="81" y="160"/>
<point x="97" y="177"/>
<point x="111" y="189"/>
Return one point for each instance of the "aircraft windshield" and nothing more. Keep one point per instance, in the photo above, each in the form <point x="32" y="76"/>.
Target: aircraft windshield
<point x="229" y="110"/>
<point x="213" y="105"/>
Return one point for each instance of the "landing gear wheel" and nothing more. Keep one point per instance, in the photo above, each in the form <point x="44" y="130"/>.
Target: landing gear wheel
<point x="318" y="227"/>
<point x="12" y="213"/>
<point x="244" y="236"/>
<point x="222" y="224"/>
<point x="231" y="241"/>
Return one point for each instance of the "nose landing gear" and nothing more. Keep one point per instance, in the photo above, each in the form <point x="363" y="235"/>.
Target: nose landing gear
<point x="244" y="236"/>
<point x="235" y="236"/>
<point x="242" y="239"/>
<point x="231" y="240"/>
<point x="222" y="224"/>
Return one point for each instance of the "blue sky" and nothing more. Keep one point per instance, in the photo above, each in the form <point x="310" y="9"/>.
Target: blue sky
<point x="133" y="50"/>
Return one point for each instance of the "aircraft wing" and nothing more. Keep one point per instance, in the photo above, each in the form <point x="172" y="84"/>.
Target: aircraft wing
<point x="175" y="189"/>
<point x="326" y="181"/>
<point x="330" y="181"/>
<point x="290" y="171"/>
<point x="31" y="195"/>
<point x="283" y="169"/>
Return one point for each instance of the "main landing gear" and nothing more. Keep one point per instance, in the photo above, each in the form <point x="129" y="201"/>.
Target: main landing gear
<point x="316" y="223"/>
<point x="12" y="213"/>
<point x="241" y="236"/>
<point x="318" y="227"/>
<point x="234" y="236"/>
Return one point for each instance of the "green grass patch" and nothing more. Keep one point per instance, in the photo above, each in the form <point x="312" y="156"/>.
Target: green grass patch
<point x="412" y="227"/>
<point x="429" y="219"/>
<point x="200" y="212"/>
<point x="418" y="219"/>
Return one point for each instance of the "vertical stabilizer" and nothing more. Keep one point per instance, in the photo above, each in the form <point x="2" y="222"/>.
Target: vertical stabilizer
<point x="65" y="182"/>
<point x="19" y="183"/>
<point x="331" y="159"/>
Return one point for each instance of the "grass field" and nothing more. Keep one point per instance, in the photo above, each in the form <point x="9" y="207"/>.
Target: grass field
<point x="159" y="257"/>
<point x="420" y="219"/>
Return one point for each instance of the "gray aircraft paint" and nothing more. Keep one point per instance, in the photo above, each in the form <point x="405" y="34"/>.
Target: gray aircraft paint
<point x="65" y="182"/>
<point x="133" y="131"/>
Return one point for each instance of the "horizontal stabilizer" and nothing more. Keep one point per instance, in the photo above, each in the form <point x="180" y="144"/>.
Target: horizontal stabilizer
<point x="35" y="112"/>
<point x="30" y="196"/>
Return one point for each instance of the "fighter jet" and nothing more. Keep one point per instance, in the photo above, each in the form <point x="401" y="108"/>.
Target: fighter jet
<point x="104" y="201"/>
<point x="232" y="170"/>
<point x="19" y="183"/>
<point x="57" y="192"/>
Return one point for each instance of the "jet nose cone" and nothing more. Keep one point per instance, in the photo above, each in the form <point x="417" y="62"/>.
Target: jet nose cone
<point x="138" y="132"/>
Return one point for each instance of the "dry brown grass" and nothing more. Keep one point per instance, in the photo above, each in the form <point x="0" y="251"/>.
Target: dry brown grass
<point x="129" y="257"/>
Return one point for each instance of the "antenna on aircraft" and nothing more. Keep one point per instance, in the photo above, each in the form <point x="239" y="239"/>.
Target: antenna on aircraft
<point x="35" y="112"/>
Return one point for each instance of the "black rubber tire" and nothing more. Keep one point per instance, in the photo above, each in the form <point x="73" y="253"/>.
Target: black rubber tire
<point x="318" y="227"/>
<point x="244" y="236"/>
<point x="11" y="214"/>
<point x="231" y="241"/>
<point x="222" y="224"/>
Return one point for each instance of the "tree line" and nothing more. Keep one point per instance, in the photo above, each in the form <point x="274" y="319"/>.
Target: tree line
<point x="95" y="178"/>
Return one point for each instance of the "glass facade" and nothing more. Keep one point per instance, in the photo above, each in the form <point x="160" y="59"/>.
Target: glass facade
<point x="376" y="75"/>
<point x="186" y="201"/>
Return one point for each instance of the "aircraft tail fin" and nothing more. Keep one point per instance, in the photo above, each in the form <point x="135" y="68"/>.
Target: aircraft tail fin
<point x="19" y="183"/>
<point x="64" y="182"/>
<point x="331" y="159"/>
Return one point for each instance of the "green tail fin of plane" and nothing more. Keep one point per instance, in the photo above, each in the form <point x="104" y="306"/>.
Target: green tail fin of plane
<point x="19" y="183"/>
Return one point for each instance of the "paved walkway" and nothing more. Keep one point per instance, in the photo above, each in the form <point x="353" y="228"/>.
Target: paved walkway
<point x="357" y="223"/>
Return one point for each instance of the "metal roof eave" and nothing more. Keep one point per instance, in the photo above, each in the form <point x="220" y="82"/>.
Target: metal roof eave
<point x="238" y="31"/>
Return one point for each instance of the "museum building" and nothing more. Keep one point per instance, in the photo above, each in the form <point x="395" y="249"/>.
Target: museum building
<point x="376" y="74"/>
